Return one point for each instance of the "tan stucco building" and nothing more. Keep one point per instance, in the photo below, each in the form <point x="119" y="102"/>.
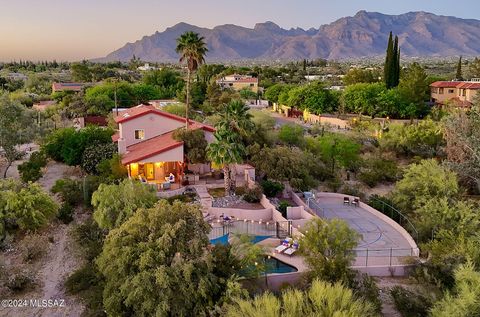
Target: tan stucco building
<point x="239" y="82"/>
<point x="456" y="93"/>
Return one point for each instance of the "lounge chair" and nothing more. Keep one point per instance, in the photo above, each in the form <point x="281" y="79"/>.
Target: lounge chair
<point x="281" y="248"/>
<point x="289" y="251"/>
<point x="346" y="200"/>
<point x="356" y="202"/>
<point x="292" y="250"/>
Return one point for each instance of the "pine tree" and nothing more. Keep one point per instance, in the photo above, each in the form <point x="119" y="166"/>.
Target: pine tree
<point x="387" y="70"/>
<point x="396" y="64"/>
<point x="459" y="76"/>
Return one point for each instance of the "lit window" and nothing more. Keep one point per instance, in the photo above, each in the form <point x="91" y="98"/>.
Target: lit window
<point x="139" y="134"/>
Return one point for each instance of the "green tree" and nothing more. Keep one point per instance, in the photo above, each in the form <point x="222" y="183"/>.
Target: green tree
<point x="194" y="144"/>
<point x="441" y="214"/>
<point x="326" y="247"/>
<point x="16" y="128"/>
<point x="459" y="73"/>
<point x="463" y="302"/>
<point x="273" y="92"/>
<point x="291" y="134"/>
<point x="114" y="204"/>
<point x="192" y="50"/>
<point x="166" y="80"/>
<point x="335" y="150"/>
<point x="283" y="163"/>
<point x="25" y="206"/>
<point x="422" y="182"/>
<point x="414" y="87"/>
<point x="462" y="134"/>
<point x="95" y="154"/>
<point x="392" y="63"/>
<point x="363" y="98"/>
<point x="157" y="264"/>
<point x="474" y="68"/>
<point x="358" y="75"/>
<point x="424" y="138"/>
<point x="321" y="299"/>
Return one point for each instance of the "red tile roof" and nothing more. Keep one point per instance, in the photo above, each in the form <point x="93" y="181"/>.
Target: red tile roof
<point x="468" y="85"/>
<point x="445" y="84"/>
<point x="150" y="147"/>
<point x="456" y="102"/>
<point x="142" y="110"/>
<point x="456" y="84"/>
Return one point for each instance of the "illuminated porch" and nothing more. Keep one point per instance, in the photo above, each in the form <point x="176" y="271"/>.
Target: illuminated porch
<point x="158" y="174"/>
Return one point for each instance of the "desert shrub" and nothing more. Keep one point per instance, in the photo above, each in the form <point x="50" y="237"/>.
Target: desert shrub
<point x="69" y="190"/>
<point x="65" y="213"/>
<point x="20" y="281"/>
<point x="367" y="289"/>
<point x="353" y="190"/>
<point x="253" y="195"/>
<point x="271" y="188"/>
<point x="31" y="170"/>
<point x="282" y="207"/>
<point x="90" y="237"/>
<point x="410" y="304"/>
<point x="378" y="170"/>
<point x="33" y="247"/>
<point x="87" y="283"/>
<point x="334" y="184"/>
<point x="112" y="170"/>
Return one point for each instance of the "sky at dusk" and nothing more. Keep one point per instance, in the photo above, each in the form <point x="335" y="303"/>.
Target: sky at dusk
<point x="78" y="29"/>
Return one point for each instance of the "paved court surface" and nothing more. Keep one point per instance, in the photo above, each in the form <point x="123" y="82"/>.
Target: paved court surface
<point x="380" y="241"/>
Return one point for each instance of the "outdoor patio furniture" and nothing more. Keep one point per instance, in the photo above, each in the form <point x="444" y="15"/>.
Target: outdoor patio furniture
<point x="281" y="248"/>
<point x="346" y="200"/>
<point x="289" y="251"/>
<point x="356" y="202"/>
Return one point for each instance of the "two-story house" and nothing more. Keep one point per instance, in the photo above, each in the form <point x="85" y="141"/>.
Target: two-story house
<point x="239" y="82"/>
<point x="459" y="94"/>
<point x="146" y="144"/>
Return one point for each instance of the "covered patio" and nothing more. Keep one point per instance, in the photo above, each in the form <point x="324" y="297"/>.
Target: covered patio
<point x="163" y="175"/>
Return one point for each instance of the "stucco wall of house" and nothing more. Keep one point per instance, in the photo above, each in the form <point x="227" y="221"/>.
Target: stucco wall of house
<point x="153" y="125"/>
<point x="173" y="155"/>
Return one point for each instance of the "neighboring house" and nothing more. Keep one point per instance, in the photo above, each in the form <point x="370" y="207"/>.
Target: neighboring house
<point x="17" y="76"/>
<point x="82" y="122"/>
<point x="459" y="94"/>
<point x="44" y="105"/>
<point x="146" y="67"/>
<point x="146" y="143"/>
<point x="163" y="102"/>
<point x="75" y="87"/>
<point x="239" y="82"/>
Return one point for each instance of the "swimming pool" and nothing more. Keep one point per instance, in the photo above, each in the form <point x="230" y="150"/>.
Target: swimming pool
<point x="275" y="266"/>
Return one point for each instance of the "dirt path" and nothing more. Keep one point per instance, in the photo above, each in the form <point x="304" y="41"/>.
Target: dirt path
<point x="386" y="284"/>
<point x="60" y="261"/>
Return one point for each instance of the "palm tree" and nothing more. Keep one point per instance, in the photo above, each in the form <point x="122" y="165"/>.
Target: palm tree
<point x="228" y="148"/>
<point x="235" y="117"/>
<point x="224" y="151"/>
<point x="192" y="50"/>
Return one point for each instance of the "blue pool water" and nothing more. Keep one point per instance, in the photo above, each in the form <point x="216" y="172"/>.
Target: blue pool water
<point x="274" y="265"/>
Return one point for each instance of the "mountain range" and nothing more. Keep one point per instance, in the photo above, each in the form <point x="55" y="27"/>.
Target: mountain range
<point x="363" y="35"/>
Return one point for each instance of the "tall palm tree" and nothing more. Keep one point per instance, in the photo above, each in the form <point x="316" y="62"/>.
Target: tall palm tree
<point x="228" y="148"/>
<point x="225" y="151"/>
<point x="192" y="50"/>
<point x="235" y="117"/>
